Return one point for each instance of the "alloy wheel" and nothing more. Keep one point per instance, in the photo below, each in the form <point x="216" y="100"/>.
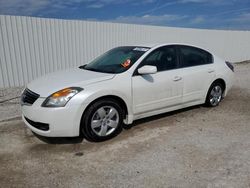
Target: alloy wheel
<point x="215" y="95"/>
<point x="105" y="121"/>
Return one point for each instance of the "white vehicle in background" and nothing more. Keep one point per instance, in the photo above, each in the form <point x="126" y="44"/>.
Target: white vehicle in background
<point x="122" y="85"/>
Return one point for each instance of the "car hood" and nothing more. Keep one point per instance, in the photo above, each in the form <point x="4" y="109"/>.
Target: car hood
<point x="53" y="82"/>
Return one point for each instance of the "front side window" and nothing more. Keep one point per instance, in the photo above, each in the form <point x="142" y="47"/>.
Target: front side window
<point x="164" y="58"/>
<point x="116" y="60"/>
<point x="191" y="56"/>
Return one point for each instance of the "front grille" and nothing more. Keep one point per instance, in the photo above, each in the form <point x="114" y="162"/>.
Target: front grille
<point x="38" y="125"/>
<point x="29" y="97"/>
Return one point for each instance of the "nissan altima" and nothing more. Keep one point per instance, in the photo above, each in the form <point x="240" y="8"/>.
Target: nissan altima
<point x="122" y="85"/>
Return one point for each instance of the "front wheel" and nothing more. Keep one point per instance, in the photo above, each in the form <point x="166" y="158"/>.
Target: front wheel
<point x="102" y="120"/>
<point x="215" y="94"/>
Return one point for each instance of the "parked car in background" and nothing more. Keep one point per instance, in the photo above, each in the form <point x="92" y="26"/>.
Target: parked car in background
<point x="124" y="84"/>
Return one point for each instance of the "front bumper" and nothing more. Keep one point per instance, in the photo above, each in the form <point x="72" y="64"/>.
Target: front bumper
<point x="62" y="122"/>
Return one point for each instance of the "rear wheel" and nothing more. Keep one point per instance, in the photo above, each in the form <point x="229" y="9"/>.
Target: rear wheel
<point x="215" y="94"/>
<point x="102" y="120"/>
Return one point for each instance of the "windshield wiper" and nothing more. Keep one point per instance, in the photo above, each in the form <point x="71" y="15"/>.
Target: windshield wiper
<point x="95" y="70"/>
<point x="89" y="68"/>
<point x="82" y="67"/>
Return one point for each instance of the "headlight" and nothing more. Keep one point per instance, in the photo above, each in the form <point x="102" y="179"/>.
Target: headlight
<point x="60" y="98"/>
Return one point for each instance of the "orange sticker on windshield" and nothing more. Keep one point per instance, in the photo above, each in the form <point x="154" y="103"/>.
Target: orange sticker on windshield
<point x="126" y="63"/>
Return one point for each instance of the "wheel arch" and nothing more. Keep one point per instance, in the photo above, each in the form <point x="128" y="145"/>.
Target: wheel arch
<point x="118" y="99"/>
<point x="114" y="97"/>
<point x="220" y="80"/>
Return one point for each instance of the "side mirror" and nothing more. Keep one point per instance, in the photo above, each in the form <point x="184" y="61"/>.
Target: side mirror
<point x="147" y="69"/>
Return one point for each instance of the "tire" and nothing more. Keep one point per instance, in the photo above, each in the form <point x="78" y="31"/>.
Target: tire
<point x="214" y="95"/>
<point x="102" y="120"/>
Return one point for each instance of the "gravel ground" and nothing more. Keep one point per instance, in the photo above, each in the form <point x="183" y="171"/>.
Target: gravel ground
<point x="10" y="103"/>
<point x="194" y="147"/>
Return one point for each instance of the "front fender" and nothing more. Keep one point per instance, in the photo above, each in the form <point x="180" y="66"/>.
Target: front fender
<point x="88" y="96"/>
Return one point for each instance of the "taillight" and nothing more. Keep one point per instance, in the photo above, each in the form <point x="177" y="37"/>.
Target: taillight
<point x="230" y="66"/>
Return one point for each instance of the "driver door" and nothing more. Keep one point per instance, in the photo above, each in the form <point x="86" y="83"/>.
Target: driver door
<point x="160" y="90"/>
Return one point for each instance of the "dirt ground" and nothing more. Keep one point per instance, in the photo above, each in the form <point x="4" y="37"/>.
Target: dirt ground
<point x="195" y="147"/>
<point x="10" y="103"/>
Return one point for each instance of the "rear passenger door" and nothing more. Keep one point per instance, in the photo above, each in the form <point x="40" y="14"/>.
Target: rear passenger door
<point x="197" y="73"/>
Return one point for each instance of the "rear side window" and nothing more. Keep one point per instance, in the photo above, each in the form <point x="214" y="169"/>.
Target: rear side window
<point x="191" y="56"/>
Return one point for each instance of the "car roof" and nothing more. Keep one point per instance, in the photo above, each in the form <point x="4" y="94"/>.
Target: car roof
<point x="148" y="45"/>
<point x="156" y="45"/>
<point x="152" y="45"/>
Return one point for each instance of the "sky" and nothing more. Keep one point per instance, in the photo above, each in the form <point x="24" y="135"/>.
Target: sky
<point x="203" y="14"/>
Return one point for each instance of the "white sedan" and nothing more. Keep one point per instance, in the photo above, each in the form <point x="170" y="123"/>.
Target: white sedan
<point x="124" y="84"/>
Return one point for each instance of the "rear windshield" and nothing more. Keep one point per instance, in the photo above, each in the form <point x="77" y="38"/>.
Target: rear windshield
<point x="116" y="60"/>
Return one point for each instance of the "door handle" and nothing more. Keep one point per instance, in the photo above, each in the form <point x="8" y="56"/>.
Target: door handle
<point x="177" y="78"/>
<point x="210" y="71"/>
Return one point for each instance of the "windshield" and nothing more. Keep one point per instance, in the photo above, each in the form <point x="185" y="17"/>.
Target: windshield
<point x="116" y="60"/>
